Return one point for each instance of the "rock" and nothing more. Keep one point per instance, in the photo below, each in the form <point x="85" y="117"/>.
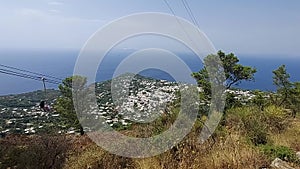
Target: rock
<point x="298" y="155"/>
<point x="279" y="164"/>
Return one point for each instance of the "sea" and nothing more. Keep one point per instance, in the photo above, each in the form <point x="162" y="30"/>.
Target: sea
<point x="60" y="64"/>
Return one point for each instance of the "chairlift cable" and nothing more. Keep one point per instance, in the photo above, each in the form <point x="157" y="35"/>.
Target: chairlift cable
<point x="35" y="73"/>
<point x="173" y="12"/>
<point x="28" y="76"/>
<point x="190" y="12"/>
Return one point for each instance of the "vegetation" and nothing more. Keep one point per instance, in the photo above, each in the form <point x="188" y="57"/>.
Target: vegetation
<point x="28" y="100"/>
<point x="231" y="148"/>
<point x="288" y="93"/>
<point x="235" y="73"/>
<point x="47" y="151"/>
<point x="18" y="112"/>
<point x="252" y="134"/>
<point x="284" y="86"/>
<point x="222" y="69"/>
<point x="71" y="87"/>
<point x="281" y="152"/>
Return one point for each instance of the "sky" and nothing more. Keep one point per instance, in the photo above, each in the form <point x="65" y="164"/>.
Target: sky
<point x="268" y="27"/>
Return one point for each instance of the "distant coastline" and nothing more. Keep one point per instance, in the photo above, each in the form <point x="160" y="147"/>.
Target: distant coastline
<point x="61" y="64"/>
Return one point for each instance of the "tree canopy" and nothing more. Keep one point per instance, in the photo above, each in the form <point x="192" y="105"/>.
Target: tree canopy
<point x="288" y="92"/>
<point x="65" y="106"/>
<point x="234" y="72"/>
<point x="282" y="82"/>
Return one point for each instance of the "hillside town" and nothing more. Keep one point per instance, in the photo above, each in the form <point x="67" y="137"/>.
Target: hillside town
<point x="140" y="100"/>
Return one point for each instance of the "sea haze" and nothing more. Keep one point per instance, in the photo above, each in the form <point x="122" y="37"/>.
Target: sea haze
<point x="61" y="64"/>
<point x="56" y="63"/>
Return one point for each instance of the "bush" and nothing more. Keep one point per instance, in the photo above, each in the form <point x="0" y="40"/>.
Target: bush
<point x="256" y="130"/>
<point x="260" y="100"/>
<point x="256" y="123"/>
<point x="113" y="161"/>
<point x="33" y="152"/>
<point x="276" y="118"/>
<point x="250" y="122"/>
<point x="281" y="152"/>
<point x="231" y="101"/>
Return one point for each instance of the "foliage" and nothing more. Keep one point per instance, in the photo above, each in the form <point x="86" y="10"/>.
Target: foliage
<point x="71" y="87"/>
<point x="231" y="101"/>
<point x="28" y="100"/>
<point x="234" y="72"/>
<point x="260" y="100"/>
<point x="203" y="81"/>
<point x="256" y="131"/>
<point x="294" y="99"/>
<point x="288" y="93"/>
<point x="281" y="152"/>
<point x="276" y="118"/>
<point x="257" y="124"/>
<point x="230" y="151"/>
<point x="284" y="86"/>
<point x="48" y="151"/>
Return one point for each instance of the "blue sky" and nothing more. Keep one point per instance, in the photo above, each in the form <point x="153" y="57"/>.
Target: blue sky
<point x="246" y="27"/>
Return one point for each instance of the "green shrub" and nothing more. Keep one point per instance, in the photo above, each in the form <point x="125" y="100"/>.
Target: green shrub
<point x="281" y="152"/>
<point x="276" y="118"/>
<point x="256" y="130"/>
<point x="231" y="101"/>
<point x="251" y="122"/>
<point x="256" y="123"/>
<point x="260" y="100"/>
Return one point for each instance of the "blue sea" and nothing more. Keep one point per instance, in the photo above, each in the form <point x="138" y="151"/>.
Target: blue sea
<point x="61" y="63"/>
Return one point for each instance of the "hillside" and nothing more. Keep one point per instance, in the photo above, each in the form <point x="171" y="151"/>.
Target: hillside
<point x="21" y="113"/>
<point x="247" y="137"/>
<point x="229" y="148"/>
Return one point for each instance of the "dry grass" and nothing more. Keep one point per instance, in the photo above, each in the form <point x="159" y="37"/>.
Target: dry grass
<point x="231" y="149"/>
<point x="20" y="151"/>
<point x="85" y="158"/>
<point x="290" y="137"/>
<point x="230" y="152"/>
<point x="233" y="152"/>
<point x="86" y="154"/>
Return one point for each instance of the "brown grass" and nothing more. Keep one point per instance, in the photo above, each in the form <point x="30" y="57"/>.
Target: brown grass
<point x="230" y="152"/>
<point x="291" y="136"/>
<point x="47" y="151"/>
<point x="231" y="149"/>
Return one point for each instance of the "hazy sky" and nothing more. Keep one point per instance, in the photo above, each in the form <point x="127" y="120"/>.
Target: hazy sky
<point x="245" y="27"/>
